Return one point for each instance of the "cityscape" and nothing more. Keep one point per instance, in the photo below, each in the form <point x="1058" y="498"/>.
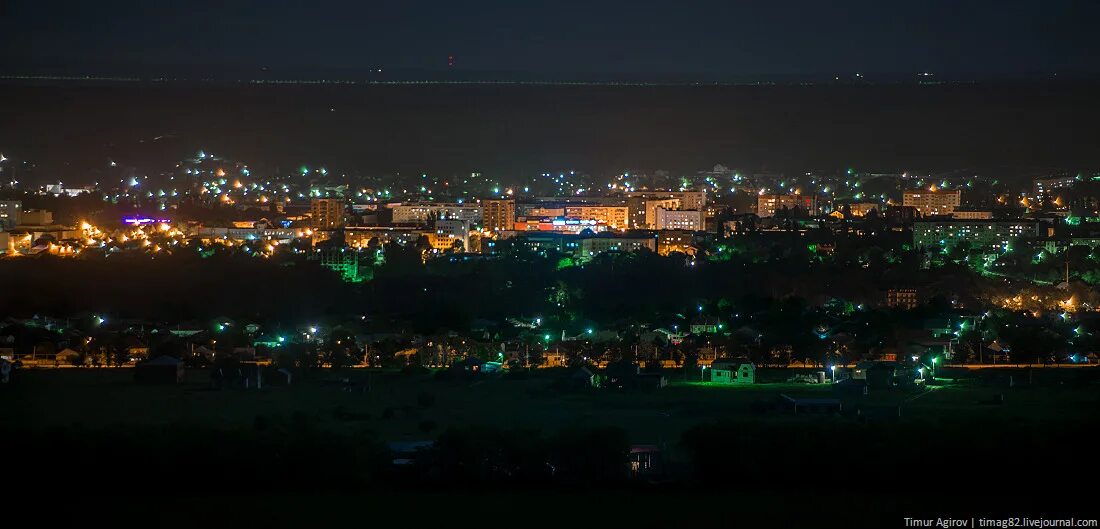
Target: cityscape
<point x="467" y="282"/>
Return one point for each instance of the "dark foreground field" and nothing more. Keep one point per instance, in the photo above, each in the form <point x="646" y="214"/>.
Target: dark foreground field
<point x="400" y="407"/>
<point x="92" y="441"/>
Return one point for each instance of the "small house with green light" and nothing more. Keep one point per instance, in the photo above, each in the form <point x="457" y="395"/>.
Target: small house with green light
<point x="733" y="372"/>
<point x="705" y="325"/>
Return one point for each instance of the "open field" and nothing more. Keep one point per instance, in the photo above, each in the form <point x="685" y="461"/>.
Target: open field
<point x="400" y="407"/>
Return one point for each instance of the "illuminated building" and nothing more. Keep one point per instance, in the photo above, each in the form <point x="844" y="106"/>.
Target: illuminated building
<point x="670" y="241"/>
<point x="591" y="246"/>
<point x="425" y="212"/>
<point x="690" y="220"/>
<point x="858" y="209"/>
<point x="11" y="214"/>
<point x="971" y="215"/>
<point x="989" y="235"/>
<point x="932" y="202"/>
<point x="688" y="199"/>
<point x="361" y="237"/>
<point x="254" y="233"/>
<point x="449" y="232"/>
<point x="1045" y="186"/>
<point x="345" y="261"/>
<point x="559" y="224"/>
<point x="498" y="215"/>
<point x="58" y="190"/>
<point x="902" y="298"/>
<point x="615" y="217"/>
<point x="544" y="212"/>
<point x="769" y="205"/>
<point x="643" y="211"/>
<point x="326" y="213"/>
<point x="586" y="246"/>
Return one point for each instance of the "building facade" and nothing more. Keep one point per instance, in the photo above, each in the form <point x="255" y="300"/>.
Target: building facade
<point x="689" y="220"/>
<point x="591" y="246"/>
<point x="425" y="212"/>
<point x="11" y="214"/>
<point x="615" y="217"/>
<point x="326" y="213"/>
<point x="498" y="215"/>
<point x="1044" y="187"/>
<point x="450" y="233"/>
<point x="902" y="298"/>
<point x="929" y="203"/>
<point x="971" y="215"/>
<point x="643" y="211"/>
<point x="769" y="205"/>
<point x="688" y="199"/>
<point x="988" y="235"/>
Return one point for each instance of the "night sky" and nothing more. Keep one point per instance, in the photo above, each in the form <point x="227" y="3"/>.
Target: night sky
<point x="704" y="38"/>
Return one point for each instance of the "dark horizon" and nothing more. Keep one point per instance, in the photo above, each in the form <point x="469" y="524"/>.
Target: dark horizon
<point x="706" y="40"/>
<point x="72" y="130"/>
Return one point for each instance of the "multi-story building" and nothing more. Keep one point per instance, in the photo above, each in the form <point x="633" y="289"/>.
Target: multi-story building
<point x="541" y="211"/>
<point x="902" y="298"/>
<point x="326" y="213"/>
<point x="361" y="237"/>
<point x="670" y="241"/>
<point x="615" y="217"/>
<point x="36" y="217"/>
<point x="11" y="214"/>
<point x="558" y="224"/>
<point x="971" y="215"/>
<point x="591" y="246"/>
<point x="932" y="202"/>
<point x="769" y="205"/>
<point x="1042" y="187"/>
<point x="345" y="261"/>
<point x="689" y="220"/>
<point x="424" y="213"/>
<point x="643" y="211"/>
<point x="498" y="215"/>
<point x="449" y="232"/>
<point x="988" y="235"/>
<point x="688" y="199"/>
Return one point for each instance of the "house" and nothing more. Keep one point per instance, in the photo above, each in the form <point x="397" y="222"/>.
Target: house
<point x="68" y="357"/>
<point x="705" y="325"/>
<point x="555" y="357"/>
<point x="733" y="371"/>
<point x="860" y="371"/>
<point x="886" y="375"/>
<point x="160" y="370"/>
<point x="645" y="460"/>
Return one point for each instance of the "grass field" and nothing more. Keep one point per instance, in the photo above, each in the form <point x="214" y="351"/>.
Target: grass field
<point x="392" y="409"/>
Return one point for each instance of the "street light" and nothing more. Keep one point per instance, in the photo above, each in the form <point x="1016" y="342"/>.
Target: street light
<point x="833" y="370"/>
